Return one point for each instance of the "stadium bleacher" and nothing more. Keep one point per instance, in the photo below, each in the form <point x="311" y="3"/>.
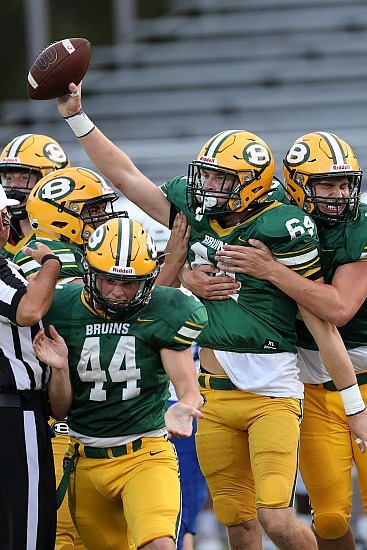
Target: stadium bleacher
<point x="278" y="68"/>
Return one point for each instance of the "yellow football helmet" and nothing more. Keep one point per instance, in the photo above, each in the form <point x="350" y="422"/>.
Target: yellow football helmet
<point x="246" y="165"/>
<point x="33" y="154"/>
<point x="70" y="204"/>
<point x="322" y="155"/>
<point x="120" y="249"/>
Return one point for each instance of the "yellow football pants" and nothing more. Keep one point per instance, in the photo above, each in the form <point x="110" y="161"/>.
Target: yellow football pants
<point x="327" y="452"/>
<point x="248" y="448"/>
<point x="137" y="494"/>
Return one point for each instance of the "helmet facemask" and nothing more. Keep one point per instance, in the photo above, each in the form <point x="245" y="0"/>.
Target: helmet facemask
<point x="209" y="201"/>
<point x="92" y="219"/>
<point x="109" y="308"/>
<point x="342" y="209"/>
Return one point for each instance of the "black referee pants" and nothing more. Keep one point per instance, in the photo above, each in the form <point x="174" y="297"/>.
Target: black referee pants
<point x="27" y="479"/>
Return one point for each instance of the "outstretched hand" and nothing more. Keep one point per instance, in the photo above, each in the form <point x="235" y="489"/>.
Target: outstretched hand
<point x="178" y="419"/>
<point x="70" y="104"/>
<point x="52" y="351"/>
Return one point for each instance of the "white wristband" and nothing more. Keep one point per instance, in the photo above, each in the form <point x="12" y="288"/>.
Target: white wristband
<point x="80" y="124"/>
<point x="352" y="400"/>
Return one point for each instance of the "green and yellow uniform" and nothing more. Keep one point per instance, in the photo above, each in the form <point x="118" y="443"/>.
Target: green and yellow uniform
<point x="253" y="338"/>
<point x="120" y="391"/>
<point x="70" y="255"/>
<point x="327" y="447"/>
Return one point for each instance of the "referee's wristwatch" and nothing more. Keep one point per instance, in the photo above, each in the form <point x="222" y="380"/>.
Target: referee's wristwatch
<point x="51" y="257"/>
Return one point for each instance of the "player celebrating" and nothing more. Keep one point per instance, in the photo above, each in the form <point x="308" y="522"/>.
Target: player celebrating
<point x="249" y="344"/>
<point x="322" y="176"/>
<point x="124" y="337"/>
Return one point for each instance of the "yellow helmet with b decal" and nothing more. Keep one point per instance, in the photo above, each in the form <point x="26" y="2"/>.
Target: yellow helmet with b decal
<point x="35" y="155"/>
<point x="120" y="250"/>
<point x="70" y="204"/>
<point x="316" y="157"/>
<point x="245" y="168"/>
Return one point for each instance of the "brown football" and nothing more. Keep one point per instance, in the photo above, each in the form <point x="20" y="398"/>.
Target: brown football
<point x="56" y="66"/>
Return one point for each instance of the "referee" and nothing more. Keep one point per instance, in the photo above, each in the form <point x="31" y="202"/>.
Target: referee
<point x="28" y="392"/>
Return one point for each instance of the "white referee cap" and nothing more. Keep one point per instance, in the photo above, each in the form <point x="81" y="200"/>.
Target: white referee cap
<point x="4" y="201"/>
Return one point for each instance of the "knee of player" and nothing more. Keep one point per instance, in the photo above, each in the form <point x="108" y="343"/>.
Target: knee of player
<point x="274" y="492"/>
<point x="330" y="525"/>
<point x="228" y="511"/>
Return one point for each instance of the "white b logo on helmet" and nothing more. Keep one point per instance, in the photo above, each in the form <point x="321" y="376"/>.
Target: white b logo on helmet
<point x="55" y="153"/>
<point x="97" y="238"/>
<point x="298" y="154"/>
<point x="57" y="188"/>
<point x="256" y="154"/>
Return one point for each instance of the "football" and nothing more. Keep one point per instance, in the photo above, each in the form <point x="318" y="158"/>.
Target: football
<point x="56" y="66"/>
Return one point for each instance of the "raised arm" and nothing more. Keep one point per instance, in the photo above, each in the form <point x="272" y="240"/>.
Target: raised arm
<point x="111" y="161"/>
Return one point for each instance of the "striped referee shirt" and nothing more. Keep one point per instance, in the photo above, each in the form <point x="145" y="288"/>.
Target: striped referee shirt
<point x="19" y="367"/>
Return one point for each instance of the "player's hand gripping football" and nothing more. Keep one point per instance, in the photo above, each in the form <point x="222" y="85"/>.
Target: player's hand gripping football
<point x="70" y="104"/>
<point x="178" y="419"/>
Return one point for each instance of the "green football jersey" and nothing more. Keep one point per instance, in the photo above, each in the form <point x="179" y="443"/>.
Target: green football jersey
<point x="341" y="244"/>
<point x="277" y="192"/>
<point x="120" y="386"/>
<point x="7" y="253"/>
<point x="70" y="255"/>
<point x="261" y="318"/>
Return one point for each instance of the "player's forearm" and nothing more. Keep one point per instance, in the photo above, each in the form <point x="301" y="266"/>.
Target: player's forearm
<point x="168" y="275"/>
<point x="37" y="300"/>
<point x="189" y="397"/>
<point x="60" y="392"/>
<point x="333" y="353"/>
<point x="110" y="160"/>
<point x="115" y="165"/>
<point x="320" y="299"/>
